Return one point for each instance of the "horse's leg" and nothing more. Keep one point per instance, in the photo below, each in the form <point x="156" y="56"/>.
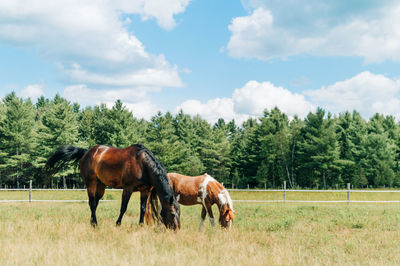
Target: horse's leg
<point x="91" y="190"/>
<point x="143" y="200"/>
<point x="203" y="217"/>
<point x="100" y="188"/>
<point x="210" y="213"/>
<point x="126" y="195"/>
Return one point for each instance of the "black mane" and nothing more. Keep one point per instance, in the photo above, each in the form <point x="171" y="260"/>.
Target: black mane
<point x="158" y="170"/>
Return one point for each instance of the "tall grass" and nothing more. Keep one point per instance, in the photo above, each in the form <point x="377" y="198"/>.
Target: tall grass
<point x="262" y="234"/>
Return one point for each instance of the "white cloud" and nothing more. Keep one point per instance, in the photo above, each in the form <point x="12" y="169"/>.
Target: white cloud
<point x="150" y="77"/>
<point x="254" y="97"/>
<point x="136" y="99"/>
<point x="33" y="92"/>
<point x="89" y="40"/>
<point x="212" y="110"/>
<point x="366" y="92"/>
<point x="162" y="10"/>
<point x="249" y="101"/>
<point x="144" y="109"/>
<point x="87" y="96"/>
<point x="276" y="29"/>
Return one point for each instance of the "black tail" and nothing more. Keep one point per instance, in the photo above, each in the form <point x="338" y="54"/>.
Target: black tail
<point x="153" y="208"/>
<point x="63" y="156"/>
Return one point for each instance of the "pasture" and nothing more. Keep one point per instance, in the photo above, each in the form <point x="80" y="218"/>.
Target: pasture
<point x="46" y="233"/>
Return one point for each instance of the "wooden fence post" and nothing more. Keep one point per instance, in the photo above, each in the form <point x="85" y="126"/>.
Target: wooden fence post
<point x="284" y="191"/>
<point x="30" y="190"/>
<point x="348" y="193"/>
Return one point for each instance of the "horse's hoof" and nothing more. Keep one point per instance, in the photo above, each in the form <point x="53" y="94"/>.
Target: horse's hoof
<point x="118" y="224"/>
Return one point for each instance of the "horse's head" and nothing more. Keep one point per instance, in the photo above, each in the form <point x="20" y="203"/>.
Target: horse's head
<point x="171" y="213"/>
<point x="226" y="216"/>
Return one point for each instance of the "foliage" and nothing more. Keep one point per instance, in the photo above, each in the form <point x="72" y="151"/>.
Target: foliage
<point x="320" y="150"/>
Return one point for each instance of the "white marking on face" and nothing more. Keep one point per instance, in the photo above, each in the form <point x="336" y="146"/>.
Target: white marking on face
<point x="178" y="197"/>
<point x="203" y="186"/>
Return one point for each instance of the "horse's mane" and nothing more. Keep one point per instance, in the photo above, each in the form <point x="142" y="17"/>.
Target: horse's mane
<point x="156" y="166"/>
<point x="160" y="174"/>
<point x="227" y="198"/>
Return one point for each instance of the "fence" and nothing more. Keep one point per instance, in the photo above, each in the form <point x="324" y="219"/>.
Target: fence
<point x="284" y="192"/>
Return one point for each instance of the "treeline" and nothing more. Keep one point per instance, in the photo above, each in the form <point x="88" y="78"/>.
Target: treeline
<point x="321" y="151"/>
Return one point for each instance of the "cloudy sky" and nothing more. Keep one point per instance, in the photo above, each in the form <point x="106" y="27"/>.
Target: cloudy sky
<point x="217" y="58"/>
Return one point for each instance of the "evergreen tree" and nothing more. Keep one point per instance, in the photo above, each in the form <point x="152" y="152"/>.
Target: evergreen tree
<point x="165" y="144"/>
<point x="379" y="152"/>
<point x="17" y="139"/>
<point x="318" y="151"/>
<point x="58" y="126"/>
<point x="246" y="149"/>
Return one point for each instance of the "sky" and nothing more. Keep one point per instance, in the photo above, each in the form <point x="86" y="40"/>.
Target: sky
<point x="226" y="59"/>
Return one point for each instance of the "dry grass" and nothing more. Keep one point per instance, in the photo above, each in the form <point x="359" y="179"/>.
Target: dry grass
<point x="262" y="234"/>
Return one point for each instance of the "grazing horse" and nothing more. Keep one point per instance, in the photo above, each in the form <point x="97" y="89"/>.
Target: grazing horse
<point x="132" y="169"/>
<point x="204" y="190"/>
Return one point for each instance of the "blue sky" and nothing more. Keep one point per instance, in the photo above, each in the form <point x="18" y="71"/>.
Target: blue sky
<point x="216" y="58"/>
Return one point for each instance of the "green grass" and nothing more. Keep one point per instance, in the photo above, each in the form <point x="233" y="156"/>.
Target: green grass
<point x="262" y="234"/>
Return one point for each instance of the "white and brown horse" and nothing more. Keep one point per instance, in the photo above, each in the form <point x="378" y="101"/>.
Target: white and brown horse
<point x="204" y="190"/>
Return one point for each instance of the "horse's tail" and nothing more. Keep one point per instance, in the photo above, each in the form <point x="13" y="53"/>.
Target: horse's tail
<point x="152" y="208"/>
<point x="62" y="156"/>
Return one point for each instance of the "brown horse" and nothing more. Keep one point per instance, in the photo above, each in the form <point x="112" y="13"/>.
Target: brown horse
<point x="204" y="190"/>
<point x="132" y="169"/>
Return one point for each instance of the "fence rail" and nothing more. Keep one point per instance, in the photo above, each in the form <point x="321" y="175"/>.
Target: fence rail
<point x="284" y="192"/>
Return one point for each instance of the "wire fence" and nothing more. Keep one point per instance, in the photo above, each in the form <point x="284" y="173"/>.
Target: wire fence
<point x="283" y="192"/>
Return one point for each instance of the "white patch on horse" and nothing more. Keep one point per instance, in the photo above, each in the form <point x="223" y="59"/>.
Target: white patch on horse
<point x="178" y="197"/>
<point x="224" y="198"/>
<point x="104" y="151"/>
<point x="203" y="187"/>
<point x="94" y="155"/>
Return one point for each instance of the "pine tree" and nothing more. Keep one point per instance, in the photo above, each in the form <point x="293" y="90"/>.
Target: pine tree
<point x="58" y="127"/>
<point x="318" y="151"/>
<point x="17" y="139"/>
<point x="246" y="149"/>
<point x="273" y="136"/>
<point x="175" y="154"/>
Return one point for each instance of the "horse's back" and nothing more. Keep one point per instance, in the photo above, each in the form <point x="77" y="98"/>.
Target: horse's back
<point x="187" y="187"/>
<point x="195" y="189"/>
<point x="114" y="167"/>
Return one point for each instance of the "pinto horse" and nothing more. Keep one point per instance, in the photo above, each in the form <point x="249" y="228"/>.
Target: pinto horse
<point x="132" y="169"/>
<point x="204" y="190"/>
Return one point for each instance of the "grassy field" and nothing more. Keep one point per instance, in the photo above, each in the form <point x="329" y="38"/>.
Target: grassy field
<point x="262" y="234"/>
